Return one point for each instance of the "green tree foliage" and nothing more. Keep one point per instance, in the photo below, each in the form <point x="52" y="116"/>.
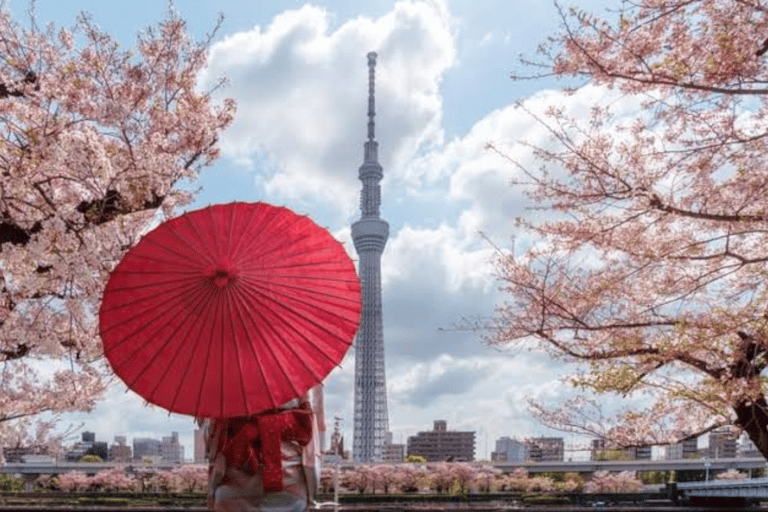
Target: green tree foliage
<point x="11" y="483"/>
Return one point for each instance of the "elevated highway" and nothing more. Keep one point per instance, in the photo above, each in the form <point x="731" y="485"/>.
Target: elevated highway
<point x="90" y="468"/>
<point x="743" y="464"/>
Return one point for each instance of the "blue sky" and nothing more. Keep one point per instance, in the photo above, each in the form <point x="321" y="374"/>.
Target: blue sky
<point x="298" y="72"/>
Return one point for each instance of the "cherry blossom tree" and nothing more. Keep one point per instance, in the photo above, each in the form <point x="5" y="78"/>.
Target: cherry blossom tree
<point x="115" y="479"/>
<point x="623" y="481"/>
<point x="73" y="481"/>
<point x="485" y="478"/>
<point x="95" y="141"/>
<point x="731" y="474"/>
<point x="191" y="477"/>
<point x="327" y="479"/>
<point x="651" y="260"/>
<point x="411" y="477"/>
<point x="358" y="479"/>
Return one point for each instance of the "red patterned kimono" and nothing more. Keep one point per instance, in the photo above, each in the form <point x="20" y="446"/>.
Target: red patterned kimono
<point x="269" y="462"/>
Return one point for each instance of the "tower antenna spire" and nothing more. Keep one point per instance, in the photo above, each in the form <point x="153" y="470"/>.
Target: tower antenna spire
<point x="371" y="92"/>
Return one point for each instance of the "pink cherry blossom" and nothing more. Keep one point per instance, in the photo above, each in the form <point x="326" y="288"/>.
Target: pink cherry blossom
<point x="731" y="474"/>
<point x="651" y="268"/>
<point x="95" y="140"/>
<point x="603" y="481"/>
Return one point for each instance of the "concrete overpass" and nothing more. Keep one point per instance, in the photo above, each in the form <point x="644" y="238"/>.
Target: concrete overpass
<point x="31" y="470"/>
<point x="745" y="464"/>
<point x="89" y="468"/>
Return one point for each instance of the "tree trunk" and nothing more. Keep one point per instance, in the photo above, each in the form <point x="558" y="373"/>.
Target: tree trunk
<point x="753" y="418"/>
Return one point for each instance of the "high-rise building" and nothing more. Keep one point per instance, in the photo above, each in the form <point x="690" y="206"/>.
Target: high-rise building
<point x="370" y="234"/>
<point x="640" y="452"/>
<point x="394" y="453"/>
<point x="722" y="444"/>
<point x="600" y="451"/>
<point x="545" y="449"/>
<point x="199" y="439"/>
<point x="746" y="448"/>
<point x="441" y="444"/>
<point x="686" y="449"/>
<point x="508" y="450"/>
<point x="171" y="450"/>
<point x="119" y="451"/>
<point x="87" y="446"/>
<point x="146" y="447"/>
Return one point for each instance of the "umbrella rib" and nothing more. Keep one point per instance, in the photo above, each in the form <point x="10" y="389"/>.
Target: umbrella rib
<point x="342" y="296"/>
<point x="251" y="294"/>
<point x="321" y="248"/>
<point x="239" y="309"/>
<point x="161" y="347"/>
<point x="181" y="284"/>
<point x="230" y="302"/>
<point x="272" y="221"/>
<point x="231" y="250"/>
<point x="321" y="327"/>
<point x="207" y="364"/>
<point x="222" y="391"/>
<point x="196" y="311"/>
<point x="168" y="248"/>
<point x="308" y="303"/>
<point x="256" y="214"/>
<point x="172" y="259"/>
<point x="159" y="313"/>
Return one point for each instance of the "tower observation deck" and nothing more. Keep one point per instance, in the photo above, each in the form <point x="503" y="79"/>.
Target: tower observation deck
<point x="370" y="234"/>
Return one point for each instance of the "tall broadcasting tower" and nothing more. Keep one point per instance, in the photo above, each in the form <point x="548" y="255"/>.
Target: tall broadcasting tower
<point x="370" y="235"/>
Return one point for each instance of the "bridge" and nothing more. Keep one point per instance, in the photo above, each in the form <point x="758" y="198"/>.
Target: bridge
<point x="31" y="470"/>
<point x="756" y="488"/>
<point x="744" y="464"/>
<point x="89" y="468"/>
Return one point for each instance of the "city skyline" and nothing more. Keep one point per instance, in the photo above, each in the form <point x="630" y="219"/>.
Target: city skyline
<point x="443" y="82"/>
<point x="440" y="439"/>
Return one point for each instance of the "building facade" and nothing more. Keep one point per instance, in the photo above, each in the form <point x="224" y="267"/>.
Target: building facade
<point x="545" y="449"/>
<point x="22" y="453"/>
<point x="199" y="440"/>
<point x="87" y="446"/>
<point x="441" y="444"/>
<point x="369" y="234"/>
<point x="509" y="450"/>
<point x="394" y="453"/>
<point x="600" y="452"/>
<point x="722" y="444"/>
<point x="746" y="448"/>
<point x="170" y="449"/>
<point x="145" y="447"/>
<point x="119" y="451"/>
<point x="687" y="449"/>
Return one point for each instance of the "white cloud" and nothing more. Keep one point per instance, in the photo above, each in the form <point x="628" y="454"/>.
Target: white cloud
<point x="301" y="90"/>
<point x="443" y="251"/>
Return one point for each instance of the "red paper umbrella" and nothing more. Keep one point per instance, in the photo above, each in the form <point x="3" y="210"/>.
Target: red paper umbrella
<point x="230" y="310"/>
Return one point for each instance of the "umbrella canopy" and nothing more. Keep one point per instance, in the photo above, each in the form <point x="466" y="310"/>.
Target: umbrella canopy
<point x="230" y="310"/>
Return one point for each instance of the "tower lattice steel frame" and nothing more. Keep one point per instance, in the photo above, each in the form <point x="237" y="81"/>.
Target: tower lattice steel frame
<point x="370" y="234"/>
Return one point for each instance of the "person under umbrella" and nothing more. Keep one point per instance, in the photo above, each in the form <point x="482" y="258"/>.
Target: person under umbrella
<point x="235" y="314"/>
<point x="269" y="461"/>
